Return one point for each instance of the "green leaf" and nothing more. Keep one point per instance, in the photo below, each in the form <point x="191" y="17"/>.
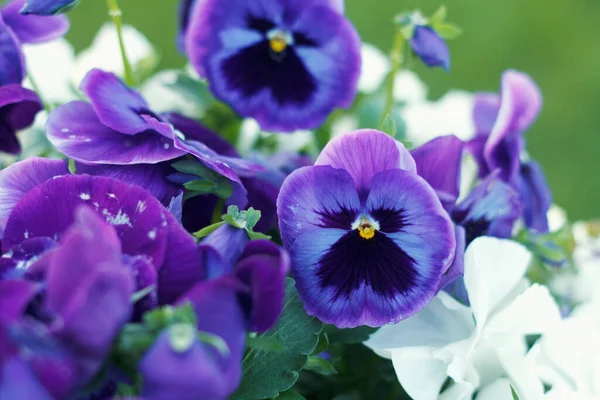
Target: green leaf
<point x="207" y="230"/>
<point x="215" y="341"/>
<point x="320" y="366"/>
<point x="268" y="373"/>
<point x="438" y="17"/>
<point x="514" y="394"/>
<point x="322" y="345"/>
<point x="72" y="166"/>
<point x="290" y="395"/>
<point x="389" y="126"/>
<point x="349" y="335"/>
<point x="252" y="217"/>
<point x="265" y="343"/>
<point x="257" y="235"/>
<point x="448" y="31"/>
<point x="193" y="89"/>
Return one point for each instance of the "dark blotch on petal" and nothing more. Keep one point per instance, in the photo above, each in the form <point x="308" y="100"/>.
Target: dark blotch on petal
<point x="255" y="68"/>
<point x="378" y="261"/>
<point x="341" y="219"/>
<point x="389" y="220"/>
<point x="258" y="24"/>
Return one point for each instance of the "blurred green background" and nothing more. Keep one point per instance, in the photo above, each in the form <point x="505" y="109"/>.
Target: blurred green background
<point x="555" y="41"/>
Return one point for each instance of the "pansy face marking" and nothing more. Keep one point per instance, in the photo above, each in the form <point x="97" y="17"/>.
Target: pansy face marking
<point x="366" y="227"/>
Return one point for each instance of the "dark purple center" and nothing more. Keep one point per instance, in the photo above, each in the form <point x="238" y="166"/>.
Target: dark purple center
<point x="257" y="67"/>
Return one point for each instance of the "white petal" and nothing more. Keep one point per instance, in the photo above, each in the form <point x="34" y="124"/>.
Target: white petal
<point x="409" y="88"/>
<point x="442" y="322"/>
<point x="420" y="374"/>
<point x="163" y="98"/>
<point x="499" y="390"/>
<point x="493" y="267"/>
<point x="532" y="312"/>
<point x="375" y="66"/>
<point x="51" y="64"/>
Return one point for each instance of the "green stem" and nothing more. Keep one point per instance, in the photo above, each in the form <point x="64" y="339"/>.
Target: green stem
<point x="397" y="59"/>
<point x="36" y="89"/>
<point x="218" y="211"/>
<point x="115" y="13"/>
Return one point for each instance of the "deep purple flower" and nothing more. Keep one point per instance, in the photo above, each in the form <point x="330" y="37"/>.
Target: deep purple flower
<point x="368" y="237"/>
<point x="118" y="128"/>
<point x="430" y="47"/>
<point x="67" y="333"/>
<point x="499" y="143"/>
<point x="18" y="108"/>
<point x="247" y="295"/>
<point x="286" y="64"/>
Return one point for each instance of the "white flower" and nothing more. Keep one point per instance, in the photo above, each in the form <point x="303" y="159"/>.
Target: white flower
<point x="163" y="98"/>
<point x="452" y="114"/>
<point x="409" y="88"/>
<point x="472" y="344"/>
<point x="51" y="66"/>
<point x="375" y="66"/>
<point x="105" y="53"/>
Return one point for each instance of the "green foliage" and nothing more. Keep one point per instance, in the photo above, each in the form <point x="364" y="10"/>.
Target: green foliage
<point x="267" y="373"/>
<point x="208" y="182"/>
<point x="348" y="335"/>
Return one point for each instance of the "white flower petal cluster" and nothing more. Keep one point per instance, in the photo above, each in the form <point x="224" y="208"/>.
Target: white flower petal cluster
<point x="481" y="348"/>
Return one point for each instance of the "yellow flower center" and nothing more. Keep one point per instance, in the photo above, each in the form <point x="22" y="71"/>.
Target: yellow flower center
<point x="366" y="231"/>
<point x="366" y="226"/>
<point x="278" y="44"/>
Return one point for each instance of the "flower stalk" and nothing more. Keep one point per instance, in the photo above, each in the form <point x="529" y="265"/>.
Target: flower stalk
<point x="115" y="13"/>
<point x="397" y="58"/>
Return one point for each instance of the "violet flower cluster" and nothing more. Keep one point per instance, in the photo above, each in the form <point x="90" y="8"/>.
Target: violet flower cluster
<point x="152" y="258"/>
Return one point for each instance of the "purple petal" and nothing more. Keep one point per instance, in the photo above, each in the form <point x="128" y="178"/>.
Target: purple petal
<point x="47" y="7"/>
<point x="485" y="112"/>
<point x="536" y="196"/>
<point x="31" y="28"/>
<point x="184" y="265"/>
<point x="438" y="162"/>
<point x="430" y="47"/>
<point x="75" y="130"/>
<point x="220" y="314"/>
<point x="18" y="382"/>
<point x="151" y="177"/>
<point x="12" y="63"/>
<point x="190" y="374"/>
<point x="89" y="287"/>
<point x="458" y="265"/>
<point x="520" y="104"/>
<point x="18" y="108"/>
<point x="364" y="153"/>
<point x="263" y="267"/>
<point x="15" y="295"/>
<point x="145" y="276"/>
<point x="28" y="259"/>
<point x="491" y="209"/>
<point x="198" y="132"/>
<point x="228" y="241"/>
<point x="313" y="198"/>
<point x="47" y="211"/>
<point x="19" y="178"/>
<point x="116" y="106"/>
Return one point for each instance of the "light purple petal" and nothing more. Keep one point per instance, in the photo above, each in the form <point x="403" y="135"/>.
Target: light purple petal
<point x="313" y="198"/>
<point x="198" y="132"/>
<point x="75" y="130"/>
<point x="15" y="295"/>
<point x="19" y="178"/>
<point x="263" y="267"/>
<point x="520" y="104"/>
<point x="536" y="196"/>
<point x="33" y="28"/>
<point x="439" y="163"/>
<point x="228" y="241"/>
<point x="364" y="153"/>
<point x="485" y="112"/>
<point x="47" y="211"/>
<point x="18" y="382"/>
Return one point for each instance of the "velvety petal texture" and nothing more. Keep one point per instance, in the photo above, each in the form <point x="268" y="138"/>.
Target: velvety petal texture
<point x="12" y="65"/>
<point x="368" y="245"/>
<point x="31" y="28"/>
<point x="47" y="7"/>
<point x="18" y="108"/>
<point x="286" y="64"/>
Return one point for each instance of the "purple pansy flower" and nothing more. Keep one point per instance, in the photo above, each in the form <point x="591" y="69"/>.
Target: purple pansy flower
<point x="243" y="294"/>
<point x="118" y="128"/>
<point x="60" y="340"/>
<point x="499" y="143"/>
<point x="368" y="237"/>
<point x="286" y="64"/>
<point x="427" y="44"/>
